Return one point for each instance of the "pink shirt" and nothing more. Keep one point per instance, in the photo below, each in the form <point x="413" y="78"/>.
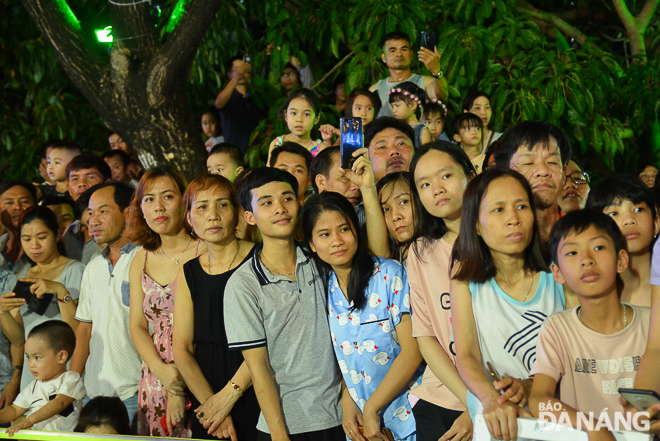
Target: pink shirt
<point x="591" y="366"/>
<point x="429" y="297"/>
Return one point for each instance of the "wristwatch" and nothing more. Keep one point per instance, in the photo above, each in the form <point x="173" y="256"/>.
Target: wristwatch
<point x="66" y="299"/>
<point x="438" y="75"/>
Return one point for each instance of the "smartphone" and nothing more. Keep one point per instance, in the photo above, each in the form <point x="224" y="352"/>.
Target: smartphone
<point x="247" y="58"/>
<point x="22" y="290"/>
<point x="351" y="139"/>
<point x="639" y="398"/>
<point x="493" y="371"/>
<point x="427" y="40"/>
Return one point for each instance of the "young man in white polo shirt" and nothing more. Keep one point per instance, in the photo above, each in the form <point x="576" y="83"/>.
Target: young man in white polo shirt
<point x="104" y="350"/>
<point x="274" y="310"/>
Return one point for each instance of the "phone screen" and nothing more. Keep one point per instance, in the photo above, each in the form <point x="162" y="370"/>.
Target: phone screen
<point x="247" y="59"/>
<point x="427" y="40"/>
<point x="351" y="139"/>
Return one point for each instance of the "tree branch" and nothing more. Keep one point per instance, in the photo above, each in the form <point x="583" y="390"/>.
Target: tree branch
<point x="645" y="15"/>
<point x="547" y="17"/>
<point x="61" y="29"/>
<point x="635" y="34"/>
<point x="175" y="57"/>
<point x="333" y="69"/>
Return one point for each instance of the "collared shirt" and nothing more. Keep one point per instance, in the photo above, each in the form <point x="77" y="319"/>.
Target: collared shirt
<point x="289" y="318"/>
<point x="366" y="344"/>
<point x="113" y="366"/>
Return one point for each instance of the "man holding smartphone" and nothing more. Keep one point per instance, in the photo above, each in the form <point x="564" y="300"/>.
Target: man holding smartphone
<point x="397" y="56"/>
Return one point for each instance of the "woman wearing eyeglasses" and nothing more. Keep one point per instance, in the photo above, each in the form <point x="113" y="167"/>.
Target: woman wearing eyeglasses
<point x="576" y="188"/>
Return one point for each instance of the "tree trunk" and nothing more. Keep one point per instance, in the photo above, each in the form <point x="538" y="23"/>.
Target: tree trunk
<point x="140" y="92"/>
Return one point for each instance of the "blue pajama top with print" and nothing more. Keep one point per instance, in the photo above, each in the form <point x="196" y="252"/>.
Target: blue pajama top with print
<point x="366" y="344"/>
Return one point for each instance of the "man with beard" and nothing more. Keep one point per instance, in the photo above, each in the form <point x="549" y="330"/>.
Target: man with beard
<point x="539" y="151"/>
<point x="397" y="56"/>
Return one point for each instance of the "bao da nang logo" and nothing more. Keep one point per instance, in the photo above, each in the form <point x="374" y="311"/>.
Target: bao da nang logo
<point x="591" y="420"/>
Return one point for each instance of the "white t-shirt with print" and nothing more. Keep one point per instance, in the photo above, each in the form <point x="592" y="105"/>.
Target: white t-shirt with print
<point x="39" y="393"/>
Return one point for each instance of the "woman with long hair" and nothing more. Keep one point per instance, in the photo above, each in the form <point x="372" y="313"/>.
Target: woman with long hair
<point x="501" y="292"/>
<point x="155" y="221"/>
<point x="376" y="352"/>
<point x="220" y="382"/>
<point x="439" y="174"/>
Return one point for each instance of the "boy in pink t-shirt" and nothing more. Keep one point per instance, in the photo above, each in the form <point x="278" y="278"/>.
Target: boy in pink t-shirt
<point x="593" y="349"/>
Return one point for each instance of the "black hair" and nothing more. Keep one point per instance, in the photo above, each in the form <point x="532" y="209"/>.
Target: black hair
<point x="57" y="200"/>
<point x="350" y="99"/>
<point x="212" y="110"/>
<point x="387" y="122"/>
<point x="530" y="134"/>
<point x="468" y="102"/>
<point x="49" y="219"/>
<point x="428" y="227"/>
<point x="82" y="203"/>
<point x="69" y="146"/>
<point x="490" y="150"/>
<point x="229" y="149"/>
<point x="258" y="177"/>
<point x="11" y="183"/>
<point x="288" y="65"/>
<point x="306" y="94"/>
<point x="618" y="188"/>
<point x="409" y="93"/>
<point x="362" y="266"/>
<point x="322" y="164"/>
<point x="57" y="334"/>
<point x="123" y="156"/>
<point x="435" y="106"/>
<point x="577" y="222"/>
<point x="123" y="193"/>
<point x="291" y="147"/>
<point x="87" y="161"/>
<point x="49" y="145"/>
<point x="470" y="253"/>
<point x="467" y="121"/>
<point x="396" y="35"/>
<point x="105" y="411"/>
<point x="229" y="64"/>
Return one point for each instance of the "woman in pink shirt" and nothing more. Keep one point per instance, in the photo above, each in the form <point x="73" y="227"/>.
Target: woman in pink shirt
<point x="439" y="174"/>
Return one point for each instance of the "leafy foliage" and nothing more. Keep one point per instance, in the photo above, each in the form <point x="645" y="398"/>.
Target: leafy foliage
<point x="596" y="98"/>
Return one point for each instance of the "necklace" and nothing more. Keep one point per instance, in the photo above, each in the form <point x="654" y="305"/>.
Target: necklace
<point x="176" y="261"/>
<point x="261" y="257"/>
<point x="625" y="315"/>
<point x="238" y="248"/>
<point x="529" y="290"/>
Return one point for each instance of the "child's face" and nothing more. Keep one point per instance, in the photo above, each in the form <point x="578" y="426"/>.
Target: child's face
<point x="296" y="165"/>
<point x="588" y="263"/>
<point x="636" y="223"/>
<point x="222" y="164"/>
<point x="300" y="117"/>
<point x="57" y="161"/>
<point x="435" y="123"/>
<point x="43" y="362"/>
<point x="363" y="108"/>
<point x="469" y="136"/>
<point x="209" y="125"/>
<point x="401" y="110"/>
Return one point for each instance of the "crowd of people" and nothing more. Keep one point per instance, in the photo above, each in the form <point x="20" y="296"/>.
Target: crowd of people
<point x="448" y="273"/>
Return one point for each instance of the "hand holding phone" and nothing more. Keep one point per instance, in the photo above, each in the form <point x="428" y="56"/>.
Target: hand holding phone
<point x="640" y="399"/>
<point x="427" y="40"/>
<point x="351" y="139"/>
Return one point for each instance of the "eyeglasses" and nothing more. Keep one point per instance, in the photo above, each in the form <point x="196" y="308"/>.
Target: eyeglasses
<point x="578" y="178"/>
<point x="288" y="75"/>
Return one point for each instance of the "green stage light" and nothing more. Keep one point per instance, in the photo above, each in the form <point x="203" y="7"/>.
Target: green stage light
<point x="104" y="35"/>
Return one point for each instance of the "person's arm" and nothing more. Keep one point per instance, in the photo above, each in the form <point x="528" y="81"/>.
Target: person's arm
<point x="264" y="387"/>
<point x="543" y="395"/>
<point x="81" y="353"/>
<point x="13" y="387"/>
<point x="426" y="136"/>
<point x="40" y="287"/>
<point x="500" y="417"/>
<point x="442" y="367"/>
<point x="351" y="415"/>
<point x="9" y="414"/>
<point x="397" y="378"/>
<point x="223" y="97"/>
<point x="362" y="175"/>
<point x="435" y="87"/>
<point x="11" y="319"/>
<point x="54" y="406"/>
<point x="216" y="407"/>
<point x="168" y="374"/>
<point x="647" y="375"/>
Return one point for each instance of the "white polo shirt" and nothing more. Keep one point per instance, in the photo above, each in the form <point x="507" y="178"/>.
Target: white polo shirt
<point x="113" y="366"/>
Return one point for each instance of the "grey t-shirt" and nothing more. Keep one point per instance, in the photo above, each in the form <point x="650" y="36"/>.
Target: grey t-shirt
<point x="383" y="86"/>
<point x="289" y="318"/>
